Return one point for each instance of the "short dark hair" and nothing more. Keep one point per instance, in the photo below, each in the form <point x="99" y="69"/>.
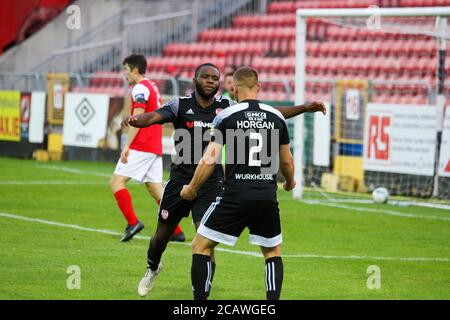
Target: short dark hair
<point x="208" y="64"/>
<point x="136" y="61"/>
<point x="228" y="74"/>
<point x="246" y="76"/>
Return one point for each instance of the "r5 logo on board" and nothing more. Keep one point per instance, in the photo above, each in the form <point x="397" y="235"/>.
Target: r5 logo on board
<point x="379" y="139"/>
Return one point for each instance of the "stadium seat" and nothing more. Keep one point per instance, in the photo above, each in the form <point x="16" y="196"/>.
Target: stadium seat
<point x="282" y="7"/>
<point x="264" y="21"/>
<point x="267" y="42"/>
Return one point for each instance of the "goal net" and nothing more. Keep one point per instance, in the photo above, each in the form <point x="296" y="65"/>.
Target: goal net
<point x="383" y="74"/>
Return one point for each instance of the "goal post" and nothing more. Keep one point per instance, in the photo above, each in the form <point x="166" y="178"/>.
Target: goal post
<point x="438" y="32"/>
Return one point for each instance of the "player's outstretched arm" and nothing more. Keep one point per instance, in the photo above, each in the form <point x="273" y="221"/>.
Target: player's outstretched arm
<point x="143" y="120"/>
<point x="287" y="166"/>
<point x="204" y="170"/>
<point x="290" y="112"/>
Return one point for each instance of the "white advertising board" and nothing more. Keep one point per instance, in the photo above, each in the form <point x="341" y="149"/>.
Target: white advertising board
<point x="37" y="117"/>
<point x="85" y="119"/>
<point x="400" y="138"/>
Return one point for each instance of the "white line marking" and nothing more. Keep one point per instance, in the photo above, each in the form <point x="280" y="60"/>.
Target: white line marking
<point x="371" y="210"/>
<point x="247" y="253"/>
<point x="75" y="171"/>
<point x="49" y="182"/>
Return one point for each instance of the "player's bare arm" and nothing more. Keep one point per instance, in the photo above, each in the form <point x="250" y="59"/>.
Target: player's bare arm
<point x="143" y="120"/>
<point x="309" y="107"/>
<point x="204" y="170"/>
<point x="287" y="167"/>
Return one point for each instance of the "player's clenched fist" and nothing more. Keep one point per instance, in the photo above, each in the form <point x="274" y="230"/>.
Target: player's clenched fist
<point x="128" y="121"/>
<point x="289" y="185"/>
<point x="315" y="106"/>
<point x="188" y="193"/>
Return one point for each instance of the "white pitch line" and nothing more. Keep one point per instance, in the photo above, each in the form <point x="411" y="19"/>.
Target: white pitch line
<point x="247" y="253"/>
<point x="371" y="210"/>
<point x="75" y="171"/>
<point x="48" y="182"/>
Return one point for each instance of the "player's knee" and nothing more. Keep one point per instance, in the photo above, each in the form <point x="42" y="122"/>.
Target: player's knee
<point x="201" y="245"/>
<point x="112" y="184"/>
<point x="271" y="252"/>
<point x="159" y="242"/>
<point x="197" y="246"/>
<point x="154" y="191"/>
<point x="116" y="184"/>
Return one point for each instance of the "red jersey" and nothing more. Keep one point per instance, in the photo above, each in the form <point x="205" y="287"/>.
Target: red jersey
<point x="146" y="95"/>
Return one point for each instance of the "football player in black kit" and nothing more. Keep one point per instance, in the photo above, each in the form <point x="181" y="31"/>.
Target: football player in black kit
<point x="249" y="197"/>
<point x="193" y="115"/>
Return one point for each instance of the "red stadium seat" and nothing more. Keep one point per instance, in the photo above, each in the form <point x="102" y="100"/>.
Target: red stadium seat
<point x="282" y="7"/>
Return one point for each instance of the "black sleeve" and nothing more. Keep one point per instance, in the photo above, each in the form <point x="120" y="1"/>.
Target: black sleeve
<point x="169" y="111"/>
<point x="284" y="134"/>
<point x="218" y="131"/>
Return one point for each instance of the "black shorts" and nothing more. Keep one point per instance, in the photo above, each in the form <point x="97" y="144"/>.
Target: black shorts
<point x="173" y="208"/>
<point x="227" y="217"/>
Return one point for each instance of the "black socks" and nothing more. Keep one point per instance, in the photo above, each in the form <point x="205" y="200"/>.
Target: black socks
<point x="201" y="276"/>
<point x="154" y="253"/>
<point x="202" y="273"/>
<point x="274" y="278"/>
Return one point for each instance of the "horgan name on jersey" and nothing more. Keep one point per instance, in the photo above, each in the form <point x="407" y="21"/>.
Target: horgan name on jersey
<point x="247" y="124"/>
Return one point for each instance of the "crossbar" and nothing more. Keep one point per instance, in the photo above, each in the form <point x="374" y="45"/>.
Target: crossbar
<point x="367" y="12"/>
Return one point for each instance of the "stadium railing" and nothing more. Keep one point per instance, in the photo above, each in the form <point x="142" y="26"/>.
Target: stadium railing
<point x="110" y="83"/>
<point x="103" y="47"/>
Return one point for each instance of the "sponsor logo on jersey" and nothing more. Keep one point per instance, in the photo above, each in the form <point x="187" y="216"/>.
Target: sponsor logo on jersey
<point x="255" y="116"/>
<point x="198" y="124"/>
<point x="248" y="176"/>
<point x="189" y="124"/>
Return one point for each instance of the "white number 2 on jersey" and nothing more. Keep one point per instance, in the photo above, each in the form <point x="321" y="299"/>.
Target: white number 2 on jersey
<point x="255" y="149"/>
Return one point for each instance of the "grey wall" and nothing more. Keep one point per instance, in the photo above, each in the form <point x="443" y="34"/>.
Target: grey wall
<point x="56" y="35"/>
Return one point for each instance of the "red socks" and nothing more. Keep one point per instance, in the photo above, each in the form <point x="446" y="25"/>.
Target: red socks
<point x="123" y="198"/>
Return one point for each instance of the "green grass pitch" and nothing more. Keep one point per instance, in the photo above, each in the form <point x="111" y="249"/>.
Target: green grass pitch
<point x="327" y="249"/>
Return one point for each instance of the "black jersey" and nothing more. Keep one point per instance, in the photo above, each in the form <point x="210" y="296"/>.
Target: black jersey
<point x="253" y="133"/>
<point x="191" y="122"/>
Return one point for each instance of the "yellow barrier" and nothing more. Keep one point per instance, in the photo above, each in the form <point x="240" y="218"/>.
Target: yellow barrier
<point x="348" y="168"/>
<point x="55" y="146"/>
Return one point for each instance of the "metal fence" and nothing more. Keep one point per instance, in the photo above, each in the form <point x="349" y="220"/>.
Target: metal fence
<point x="113" y="84"/>
<point x="24" y="82"/>
<point x="116" y="85"/>
<point x="103" y="48"/>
